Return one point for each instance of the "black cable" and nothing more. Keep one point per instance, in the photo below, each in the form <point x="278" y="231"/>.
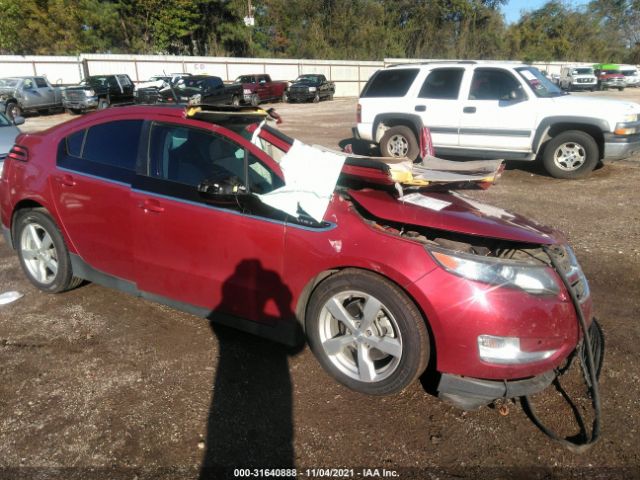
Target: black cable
<point x="590" y="368"/>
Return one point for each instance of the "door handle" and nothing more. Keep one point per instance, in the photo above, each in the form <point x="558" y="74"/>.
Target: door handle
<point x="150" y="205"/>
<point x="421" y="108"/>
<point x="67" y="180"/>
<point x="469" y="110"/>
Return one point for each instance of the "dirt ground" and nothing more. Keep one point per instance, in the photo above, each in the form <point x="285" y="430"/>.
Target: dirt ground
<point x="98" y="384"/>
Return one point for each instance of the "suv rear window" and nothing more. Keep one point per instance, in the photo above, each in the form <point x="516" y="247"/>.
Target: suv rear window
<point x="390" y="83"/>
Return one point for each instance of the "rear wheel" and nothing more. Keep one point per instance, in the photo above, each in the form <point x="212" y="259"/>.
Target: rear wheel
<point x="399" y="142"/>
<point x="367" y="333"/>
<point x="43" y="254"/>
<point x="572" y="154"/>
<point x="255" y="100"/>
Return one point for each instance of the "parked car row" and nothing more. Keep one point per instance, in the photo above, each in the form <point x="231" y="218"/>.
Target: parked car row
<point x="29" y="94"/>
<point x="598" y="77"/>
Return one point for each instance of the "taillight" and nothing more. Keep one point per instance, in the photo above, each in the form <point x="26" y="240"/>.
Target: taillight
<point x="19" y="153"/>
<point x="359" y="114"/>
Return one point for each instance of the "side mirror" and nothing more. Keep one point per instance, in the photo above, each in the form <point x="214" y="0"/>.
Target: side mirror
<point x="18" y="120"/>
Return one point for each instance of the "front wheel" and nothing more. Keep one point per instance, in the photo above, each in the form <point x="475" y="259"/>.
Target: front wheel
<point x="399" y="142"/>
<point x="571" y="154"/>
<point x="235" y="101"/>
<point x="43" y="254"/>
<point x="284" y="97"/>
<point x="255" y="100"/>
<point x="367" y="333"/>
<point x="103" y="103"/>
<point x="316" y="99"/>
<point x="13" y="111"/>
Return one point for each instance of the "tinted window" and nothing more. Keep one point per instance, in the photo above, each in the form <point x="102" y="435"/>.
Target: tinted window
<point x="443" y="83"/>
<point x="390" y="83"/>
<point x="41" y="82"/>
<point x="493" y="85"/>
<point x="114" y="143"/>
<point x="214" y="82"/>
<point x="75" y="143"/>
<point x="191" y="156"/>
<point x="124" y="80"/>
<point x="27" y="84"/>
<point x="541" y="85"/>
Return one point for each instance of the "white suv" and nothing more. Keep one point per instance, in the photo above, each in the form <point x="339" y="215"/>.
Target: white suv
<point x="494" y="110"/>
<point x="578" y="78"/>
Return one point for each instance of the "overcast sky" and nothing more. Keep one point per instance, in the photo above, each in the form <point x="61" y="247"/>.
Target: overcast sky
<point x="513" y="8"/>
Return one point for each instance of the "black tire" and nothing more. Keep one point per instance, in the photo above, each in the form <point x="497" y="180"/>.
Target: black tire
<point x="316" y="99"/>
<point x="580" y="142"/>
<point x="400" y="315"/>
<point x="331" y="96"/>
<point x="620" y="89"/>
<point x="255" y="100"/>
<point x="103" y="103"/>
<point x="13" y="110"/>
<point x="235" y="101"/>
<point x="63" y="278"/>
<point x="398" y="140"/>
<point x="73" y="111"/>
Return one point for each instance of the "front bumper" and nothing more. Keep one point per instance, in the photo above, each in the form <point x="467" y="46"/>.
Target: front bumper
<point x="470" y="393"/>
<point x="87" y="104"/>
<point x="583" y="86"/>
<point x="301" y="96"/>
<point x="613" y="83"/>
<point x="617" y="147"/>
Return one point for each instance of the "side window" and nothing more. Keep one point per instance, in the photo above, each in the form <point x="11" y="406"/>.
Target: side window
<point x="214" y="83"/>
<point x="27" y="84"/>
<point x="113" y="83"/>
<point x="113" y="143"/>
<point x="442" y="83"/>
<point x="190" y="156"/>
<point x="489" y="84"/>
<point x="41" y="82"/>
<point x="124" y="80"/>
<point x="390" y="83"/>
<point x="75" y="142"/>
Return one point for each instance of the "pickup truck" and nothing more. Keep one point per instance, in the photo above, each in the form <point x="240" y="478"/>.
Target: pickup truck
<point x="28" y="94"/>
<point x="311" y="87"/>
<point x="202" y="89"/>
<point x="609" y="76"/>
<point x="494" y="110"/>
<point x="259" y="87"/>
<point x="148" y="92"/>
<point x="98" y="91"/>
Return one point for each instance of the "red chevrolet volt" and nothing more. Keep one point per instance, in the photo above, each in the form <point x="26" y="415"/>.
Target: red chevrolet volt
<point x="163" y="203"/>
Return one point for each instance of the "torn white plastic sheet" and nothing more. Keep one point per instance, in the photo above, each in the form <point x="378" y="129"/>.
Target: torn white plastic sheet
<point x="310" y="177"/>
<point x="424" y="201"/>
<point x="8" y="297"/>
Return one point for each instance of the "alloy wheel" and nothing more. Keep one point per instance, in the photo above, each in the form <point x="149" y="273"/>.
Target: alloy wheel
<point x="360" y="336"/>
<point x="569" y="156"/>
<point x="39" y="253"/>
<point x="398" y="146"/>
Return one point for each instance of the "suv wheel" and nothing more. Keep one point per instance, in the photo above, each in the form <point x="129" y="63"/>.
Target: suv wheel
<point x="399" y="142"/>
<point x="571" y="154"/>
<point x="43" y="255"/>
<point x="367" y="333"/>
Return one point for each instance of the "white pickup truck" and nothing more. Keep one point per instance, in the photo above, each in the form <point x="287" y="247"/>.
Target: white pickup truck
<point x="494" y="110"/>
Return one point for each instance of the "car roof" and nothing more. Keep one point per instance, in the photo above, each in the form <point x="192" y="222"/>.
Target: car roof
<point x="440" y="63"/>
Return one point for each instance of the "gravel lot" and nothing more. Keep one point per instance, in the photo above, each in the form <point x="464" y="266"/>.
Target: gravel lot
<point x="98" y="384"/>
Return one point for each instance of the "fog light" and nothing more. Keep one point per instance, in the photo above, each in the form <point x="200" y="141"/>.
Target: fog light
<point x="506" y="350"/>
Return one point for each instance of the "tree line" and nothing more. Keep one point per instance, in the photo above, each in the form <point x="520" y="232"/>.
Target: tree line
<point x="602" y="30"/>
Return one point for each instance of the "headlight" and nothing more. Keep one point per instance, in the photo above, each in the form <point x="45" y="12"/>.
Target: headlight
<point x="92" y="93"/>
<point x="195" y="99"/>
<point x="532" y="279"/>
<point x="246" y="91"/>
<point x="627" y="128"/>
<point x="312" y="89"/>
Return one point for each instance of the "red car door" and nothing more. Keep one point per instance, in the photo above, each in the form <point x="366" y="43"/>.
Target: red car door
<point x="190" y="250"/>
<point x="92" y="192"/>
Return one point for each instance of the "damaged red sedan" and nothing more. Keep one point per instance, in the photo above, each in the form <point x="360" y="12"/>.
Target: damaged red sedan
<point x="217" y="214"/>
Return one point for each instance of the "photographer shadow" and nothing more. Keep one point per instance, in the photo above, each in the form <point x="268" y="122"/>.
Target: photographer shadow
<point x="250" y="422"/>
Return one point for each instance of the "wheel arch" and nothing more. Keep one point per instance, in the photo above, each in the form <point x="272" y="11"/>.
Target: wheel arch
<point x="385" y="121"/>
<point x="27" y="204"/>
<point x="552" y="126"/>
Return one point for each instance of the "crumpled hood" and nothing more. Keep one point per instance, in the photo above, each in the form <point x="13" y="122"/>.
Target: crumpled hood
<point x="7" y="90"/>
<point x="454" y="212"/>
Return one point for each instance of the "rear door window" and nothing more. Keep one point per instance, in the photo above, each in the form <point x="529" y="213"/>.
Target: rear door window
<point x="390" y="83"/>
<point x="442" y="83"/>
<point x="113" y="143"/>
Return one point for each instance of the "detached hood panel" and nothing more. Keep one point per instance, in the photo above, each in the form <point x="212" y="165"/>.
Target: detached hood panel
<point x="454" y="213"/>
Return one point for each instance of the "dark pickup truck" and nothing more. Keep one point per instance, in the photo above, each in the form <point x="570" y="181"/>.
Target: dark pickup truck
<point x="98" y="91"/>
<point x="311" y="87"/>
<point x="202" y="89"/>
<point x="259" y="87"/>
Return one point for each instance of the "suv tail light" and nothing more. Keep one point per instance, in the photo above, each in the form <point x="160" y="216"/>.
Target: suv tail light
<point x="359" y="114"/>
<point x="19" y="153"/>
